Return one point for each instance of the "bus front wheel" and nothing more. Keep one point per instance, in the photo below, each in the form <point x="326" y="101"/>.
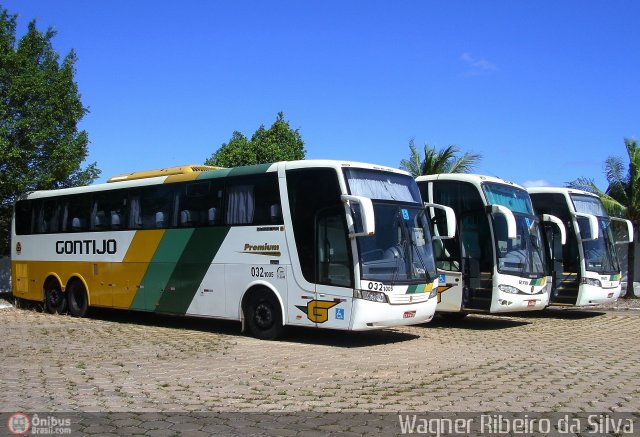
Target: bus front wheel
<point x="263" y="316"/>
<point x="55" y="302"/>
<point x="77" y="299"/>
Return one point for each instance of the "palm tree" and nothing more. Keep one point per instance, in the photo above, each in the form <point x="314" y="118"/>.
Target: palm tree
<point x="622" y="197"/>
<point x="438" y="161"/>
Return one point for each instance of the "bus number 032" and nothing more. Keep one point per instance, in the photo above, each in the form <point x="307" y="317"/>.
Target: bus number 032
<point x="379" y="286"/>
<point x="258" y="272"/>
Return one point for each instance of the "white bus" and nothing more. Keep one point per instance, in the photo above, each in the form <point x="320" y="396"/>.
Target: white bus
<point x="496" y="261"/>
<point x="329" y="244"/>
<point x="585" y="271"/>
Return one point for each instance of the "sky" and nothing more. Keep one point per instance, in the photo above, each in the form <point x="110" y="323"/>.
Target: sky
<point x="544" y="90"/>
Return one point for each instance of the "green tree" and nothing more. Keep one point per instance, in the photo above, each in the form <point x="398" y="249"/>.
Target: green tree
<point x="435" y="161"/>
<point x="40" y="107"/>
<point x="278" y="143"/>
<point x="622" y="196"/>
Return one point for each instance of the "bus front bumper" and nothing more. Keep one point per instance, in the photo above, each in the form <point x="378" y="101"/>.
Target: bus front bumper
<point x="591" y="295"/>
<point x="509" y="303"/>
<point x="374" y="315"/>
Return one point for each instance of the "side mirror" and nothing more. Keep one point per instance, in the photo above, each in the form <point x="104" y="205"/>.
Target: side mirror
<point x="556" y="221"/>
<point x="363" y="219"/>
<point x="629" y="229"/>
<point x="451" y="220"/>
<point x="592" y="228"/>
<point x="508" y="215"/>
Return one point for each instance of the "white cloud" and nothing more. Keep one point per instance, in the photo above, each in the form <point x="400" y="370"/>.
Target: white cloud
<point x="536" y="183"/>
<point x="477" y="66"/>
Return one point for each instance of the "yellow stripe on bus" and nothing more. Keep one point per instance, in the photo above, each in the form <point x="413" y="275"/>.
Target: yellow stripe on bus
<point x="126" y="277"/>
<point x="143" y="246"/>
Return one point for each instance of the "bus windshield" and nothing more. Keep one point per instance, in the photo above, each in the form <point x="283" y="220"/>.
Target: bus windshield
<point x="524" y="255"/>
<point x="599" y="255"/>
<point x="401" y="252"/>
<point x="516" y="199"/>
<point x="382" y="185"/>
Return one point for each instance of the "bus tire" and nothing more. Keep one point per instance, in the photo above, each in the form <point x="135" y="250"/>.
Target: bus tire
<point x="55" y="301"/>
<point x="77" y="299"/>
<point x="263" y="315"/>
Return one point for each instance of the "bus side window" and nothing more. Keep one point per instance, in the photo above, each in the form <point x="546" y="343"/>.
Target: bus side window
<point x="199" y="203"/>
<point x="268" y="209"/>
<point x="150" y="208"/>
<point x="76" y="213"/>
<point x="254" y="200"/>
<point x="333" y="262"/>
<point x="305" y="207"/>
<point x="108" y="210"/>
<point x="135" y="219"/>
<point x="24" y="217"/>
<point x="240" y="204"/>
<point x="214" y="202"/>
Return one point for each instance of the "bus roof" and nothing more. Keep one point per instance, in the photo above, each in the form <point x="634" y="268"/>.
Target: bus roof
<point x="200" y="172"/>
<point x="185" y="169"/>
<point x="560" y="190"/>
<point x="466" y="177"/>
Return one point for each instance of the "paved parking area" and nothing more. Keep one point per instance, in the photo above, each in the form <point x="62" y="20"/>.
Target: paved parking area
<point x="143" y="364"/>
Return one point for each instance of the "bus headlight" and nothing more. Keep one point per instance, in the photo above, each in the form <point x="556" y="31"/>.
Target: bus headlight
<point x="508" y="289"/>
<point x="591" y="281"/>
<point x="434" y="292"/>
<point x="374" y="296"/>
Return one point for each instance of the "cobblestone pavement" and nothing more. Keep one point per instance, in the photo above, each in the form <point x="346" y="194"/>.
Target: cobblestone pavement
<point x="158" y="369"/>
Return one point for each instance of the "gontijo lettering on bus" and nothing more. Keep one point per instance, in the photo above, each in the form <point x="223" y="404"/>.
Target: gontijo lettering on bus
<point x="86" y="247"/>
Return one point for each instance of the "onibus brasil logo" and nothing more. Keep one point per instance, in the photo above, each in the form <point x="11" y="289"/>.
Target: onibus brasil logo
<point x="21" y="424"/>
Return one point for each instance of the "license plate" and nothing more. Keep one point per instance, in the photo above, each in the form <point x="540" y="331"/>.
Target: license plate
<point x="531" y="303"/>
<point x="408" y="314"/>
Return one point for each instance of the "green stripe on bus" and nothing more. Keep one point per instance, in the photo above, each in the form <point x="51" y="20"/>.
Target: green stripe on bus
<point x="161" y="267"/>
<point x="417" y="288"/>
<point x="191" y="269"/>
<point x="238" y="171"/>
<point x="214" y="174"/>
<point x="538" y="281"/>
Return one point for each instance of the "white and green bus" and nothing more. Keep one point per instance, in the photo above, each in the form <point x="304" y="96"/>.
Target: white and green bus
<point x="496" y="262"/>
<point x="585" y="271"/>
<point x="328" y="244"/>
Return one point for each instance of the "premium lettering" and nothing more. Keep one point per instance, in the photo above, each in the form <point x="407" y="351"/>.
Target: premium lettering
<point x="265" y="249"/>
<point x="261" y="247"/>
<point x="86" y="247"/>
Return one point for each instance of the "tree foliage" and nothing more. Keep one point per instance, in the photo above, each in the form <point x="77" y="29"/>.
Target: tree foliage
<point x="622" y="196"/>
<point x="435" y="161"/>
<point x="40" y="107"/>
<point x="278" y="143"/>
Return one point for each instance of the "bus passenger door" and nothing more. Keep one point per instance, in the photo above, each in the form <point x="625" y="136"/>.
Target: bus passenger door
<point x="447" y="254"/>
<point x="554" y="262"/>
<point x="334" y="271"/>
<point x="477" y="261"/>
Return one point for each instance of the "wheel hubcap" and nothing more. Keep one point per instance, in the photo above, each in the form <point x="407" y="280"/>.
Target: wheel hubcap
<point x="264" y="315"/>
<point x="54" y="296"/>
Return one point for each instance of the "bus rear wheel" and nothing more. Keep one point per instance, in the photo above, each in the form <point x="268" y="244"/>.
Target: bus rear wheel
<point x="77" y="299"/>
<point x="263" y="316"/>
<point x="55" y="301"/>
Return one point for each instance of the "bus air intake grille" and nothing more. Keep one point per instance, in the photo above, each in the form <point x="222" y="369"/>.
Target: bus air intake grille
<point x="402" y="299"/>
